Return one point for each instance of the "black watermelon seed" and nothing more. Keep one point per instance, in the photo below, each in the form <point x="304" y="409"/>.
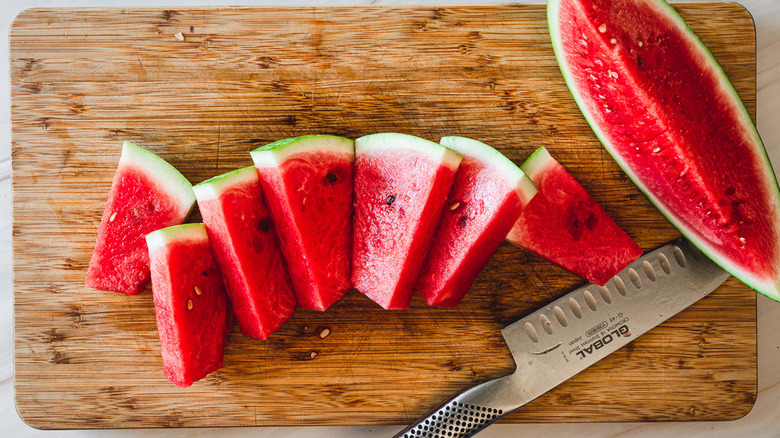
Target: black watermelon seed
<point x="390" y="199"/>
<point x="265" y="225"/>
<point x="331" y="177"/>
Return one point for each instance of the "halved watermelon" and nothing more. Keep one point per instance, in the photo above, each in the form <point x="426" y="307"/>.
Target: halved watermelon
<point x="401" y="183"/>
<point x="243" y="238"/>
<point x="565" y="225"/>
<point x="190" y="302"/>
<point x="663" y="107"/>
<point x="307" y="182"/>
<point x="146" y="194"/>
<point x="486" y="198"/>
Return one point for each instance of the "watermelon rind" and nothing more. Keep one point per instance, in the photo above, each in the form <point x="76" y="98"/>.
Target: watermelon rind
<point x="168" y="177"/>
<point x="514" y="175"/>
<point x="160" y="238"/>
<point x="273" y="154"/>
<point x="392" y="140"/>
<point x="213" y="187"/>
<point x="770" y="289"/>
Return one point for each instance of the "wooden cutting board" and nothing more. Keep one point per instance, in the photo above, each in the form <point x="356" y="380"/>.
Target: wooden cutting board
<point x="84" y="80"/>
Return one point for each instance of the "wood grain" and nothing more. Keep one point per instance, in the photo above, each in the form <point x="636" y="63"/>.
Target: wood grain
<point x="83" y="80"/>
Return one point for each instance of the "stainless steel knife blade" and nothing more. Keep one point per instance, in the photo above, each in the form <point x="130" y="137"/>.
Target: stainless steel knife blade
<point x="575" y="331"/>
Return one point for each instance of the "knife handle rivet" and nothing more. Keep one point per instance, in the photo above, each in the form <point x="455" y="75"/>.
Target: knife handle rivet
<point x="679" y="256"/>
<point x="605" y="295"/>
<point x="664" y="262"/>
<point x="635" y="280"/>
<point x="575" y="308"/>
<point x="590" y="300"/>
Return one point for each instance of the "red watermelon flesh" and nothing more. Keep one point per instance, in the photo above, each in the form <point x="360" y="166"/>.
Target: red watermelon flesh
<point x="307" y="182"/>
<point x="401" y="183"/>
<point x="486" y="198"/>
<point x="146" y="194"/>
<point x="565" y="225"/>
<point x="664" y="109"/>
<point x="190" y="302"/>
<point x="244" y="242"/>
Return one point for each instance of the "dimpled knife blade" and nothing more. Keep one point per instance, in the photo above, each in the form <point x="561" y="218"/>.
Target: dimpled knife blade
<point x="575" y="331"/>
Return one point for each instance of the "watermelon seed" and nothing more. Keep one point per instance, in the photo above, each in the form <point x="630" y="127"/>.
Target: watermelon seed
<point x="613" y="41"/>
<point x="742" y="240"/>
<point x="390" y="199"/>
<point x="603" y="28"/>
<point x="113" y="216"/>
<point x="640" y="62"/>
<point x="197" y="290"/>
<point x="189" y="304"/>
<point x="313" y="354"/>
<point x="639" y="43"/>
<point x="454" y="206"/>
<point x="331" y="177"/>
<point x="324" y="333"/>
<point x="265" y="225"/>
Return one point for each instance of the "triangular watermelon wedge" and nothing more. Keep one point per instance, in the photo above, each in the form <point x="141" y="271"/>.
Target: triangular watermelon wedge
<point x="664" y="109"/>
<point x="401" y="183"/>
<point x="565" y="225"/>
<point x="146" y="194"/>
<point x="243" y="237"/>
<point x="191" y="305"/>
<point x="486" y="199"/>
<point x="307" y="182"/>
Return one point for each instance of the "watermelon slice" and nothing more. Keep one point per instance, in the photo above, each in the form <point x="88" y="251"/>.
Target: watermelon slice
<point x="401" y="183"/>
<point x="307" y="182"/>
<point x="565" y="225"/>
<point x="486" y="199"/>
<point x="192" y="309"/>
<point x="666" y="112"/>
<point x="147" y="194"/>
<point x="244" y="241"/>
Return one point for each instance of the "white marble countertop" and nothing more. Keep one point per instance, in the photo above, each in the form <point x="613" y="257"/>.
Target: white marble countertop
<point x="760" y="422"/>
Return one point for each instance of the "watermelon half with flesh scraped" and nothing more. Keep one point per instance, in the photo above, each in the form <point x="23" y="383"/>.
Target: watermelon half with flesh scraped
<point x="243" y="239"/>
<point x="307" y="182"/>
<point x="486" y="198"/>
<point x="565" y="225"/>
<point x="666" y="112"/>
<point x="401" y="183"/>
<point x="190" y="302"/>
<point x="146" y="194"/>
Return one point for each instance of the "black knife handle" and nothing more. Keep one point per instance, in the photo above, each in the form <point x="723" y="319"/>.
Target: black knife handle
<point x="466" y="413"/>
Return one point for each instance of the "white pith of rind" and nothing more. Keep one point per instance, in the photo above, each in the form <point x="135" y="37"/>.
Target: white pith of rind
<point x="214" y="187"/>
<point x="536" y="163"/>
<point x="321" y="143"/>
<point x="160" y="171"/>
<point x="513" y="175"/>
<point x="395" y="141"/>
<point x="165" y="236"/>
<point x="768" y="288"/>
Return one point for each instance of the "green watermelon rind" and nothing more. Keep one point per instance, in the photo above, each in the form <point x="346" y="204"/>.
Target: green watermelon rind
<point x="771" y="290"/>
<point x="163" y="173"/>
<point x="395" y="141"/>
<point x="514" y="175"/>
<point x="165" y="236"/>
<point x="213" y="187"/>
<point x="274" y="154"/>
<point x="537" y="162"/>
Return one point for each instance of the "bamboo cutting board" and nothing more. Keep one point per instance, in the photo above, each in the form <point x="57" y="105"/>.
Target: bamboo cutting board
<point x="83" y="80"/>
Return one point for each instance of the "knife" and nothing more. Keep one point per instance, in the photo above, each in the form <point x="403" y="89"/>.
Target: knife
<point x="575" y="331"/>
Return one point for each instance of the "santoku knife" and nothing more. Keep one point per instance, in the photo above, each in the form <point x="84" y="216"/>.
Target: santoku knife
<point x="574" y="332"/>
